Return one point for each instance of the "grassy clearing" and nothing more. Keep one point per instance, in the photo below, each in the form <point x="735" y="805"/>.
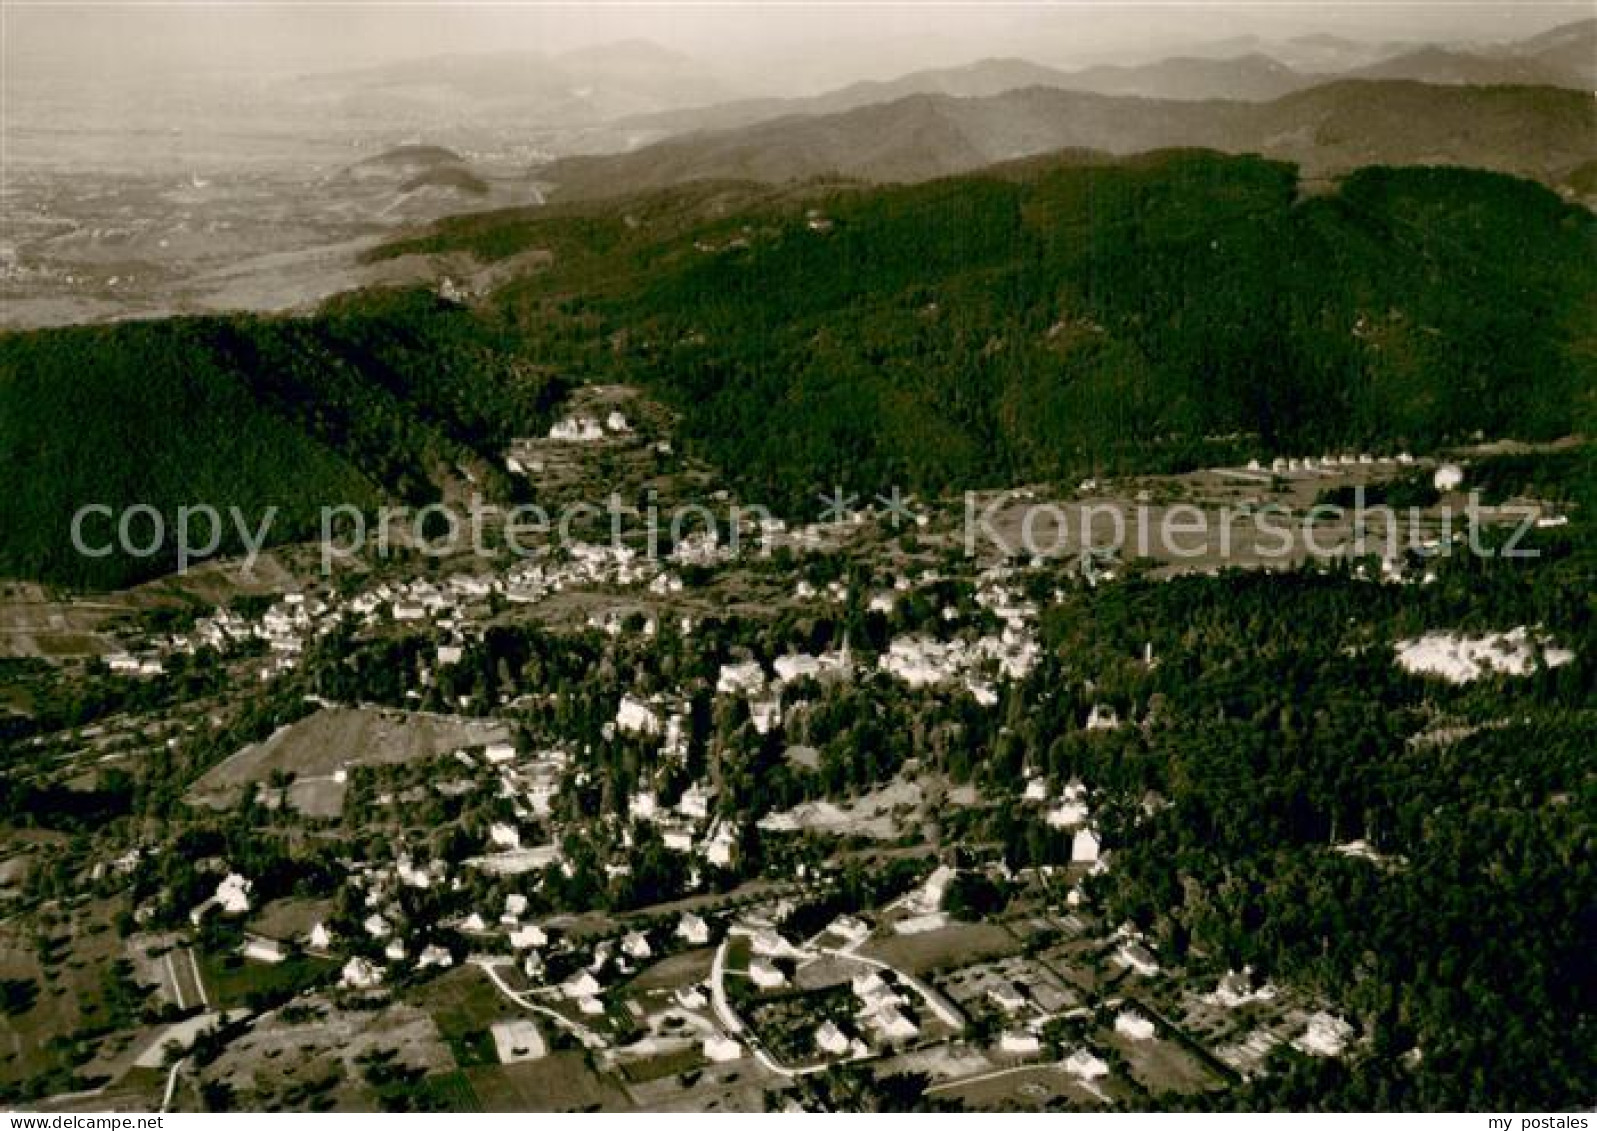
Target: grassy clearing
<point x="450" y="1091"/>
<point x="665" y="1064"/>
<point x="233" y="981"/>
<point x="464" y="1006"/>
<point x="958" y="944"/>
<point x="318" y="746"/>
<point x="675" y="970"/>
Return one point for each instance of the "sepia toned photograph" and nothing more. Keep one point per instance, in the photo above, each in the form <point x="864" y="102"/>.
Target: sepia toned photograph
<point x="743" y="556"/>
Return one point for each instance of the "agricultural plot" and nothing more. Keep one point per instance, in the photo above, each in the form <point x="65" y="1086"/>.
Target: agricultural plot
<point x="315" y="750"/>
<point x="465" y="1007"/>
<point x="559" y="1082"/>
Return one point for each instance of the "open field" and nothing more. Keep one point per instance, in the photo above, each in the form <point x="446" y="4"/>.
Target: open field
<point x="679" y="969"/>
<point x="298" y="1058"/>
<point x="1029" y="1088"/>
<point x="38" y="622"/>
<point x="954" y="945"/>
<point x="1161" y="1065"/>
<point x="465" y="1006"/>
<point x="231" y="979"/>
<point x="735" y="1087"/>
<point x="662" y="1065"/>
<point x="315" y="748"/>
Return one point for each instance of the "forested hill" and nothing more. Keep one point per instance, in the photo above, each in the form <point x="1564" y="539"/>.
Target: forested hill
<point x="1056" y="318"/>
<point x="1044" y="320"/>
<point x="377" y="397"/>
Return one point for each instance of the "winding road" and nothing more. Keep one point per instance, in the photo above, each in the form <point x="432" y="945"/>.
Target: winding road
<point x="587" y="1036"/>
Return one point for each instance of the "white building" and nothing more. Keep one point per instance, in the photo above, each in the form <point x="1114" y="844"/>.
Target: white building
<point x="1020" y="1043"/>
<point x="634" y="716"/>
<point x="849" y="929"/>
<point x="1133" y="1026"/>
<point x="893" y="1025"/>
<point x="1326" y="1035"/>
<point x="1135" y="956"/>
<point x="1085" y="847"/>
<point x="719" y="1049"/>
<point x="746" y="678"/>
<point x="265" y="950"/>
<point x="830" y="1039"/>
<point x="765" y="974"/>
<point x="528" y="938"/>
<point x="232" y="897"/>
<point x="359" y="974"/>
<point x="435" y="956"/>
<point x="498" y="753"/>
<point x="695" y="801"/>
<point x="1084" y="1066"/>
<point x="693" y="930"/>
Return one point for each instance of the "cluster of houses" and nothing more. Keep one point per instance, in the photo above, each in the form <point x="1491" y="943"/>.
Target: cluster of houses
<point x="531" y="581"/>
<point x="581" y="429"/>
<point x="1011" y="654"/>
<point x="450" y="606"/>
<point x="884" y="1010"/>
<point x="284" y="628"/>
<point x="290" y="622"/>
<point x="1292" y="465"/>
<point x="126" y="663"/>
<point x="1069" y="810"/>
<point x="689" y="825"/>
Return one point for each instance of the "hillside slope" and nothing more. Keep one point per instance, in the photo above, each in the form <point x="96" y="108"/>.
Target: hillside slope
<point x="379" y="396"/>
<point x="1043" y="320"/>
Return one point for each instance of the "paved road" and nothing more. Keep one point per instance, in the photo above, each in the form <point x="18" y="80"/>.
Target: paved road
<point x="171" y="1082"/>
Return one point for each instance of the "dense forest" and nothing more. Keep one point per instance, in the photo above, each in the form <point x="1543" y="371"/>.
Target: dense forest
<point x="378" y="396"/>
<point x="1058" y="318"/>
<point x="1043" y="321"/>
<point x="1052" y="318"/>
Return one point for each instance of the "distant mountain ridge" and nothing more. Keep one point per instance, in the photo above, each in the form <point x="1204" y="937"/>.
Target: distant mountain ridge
<point x="1541" y="133"/>
<point x="1241" y="79"/>
<point x="1565" y="55"/>
<point x="1241" y="69"/>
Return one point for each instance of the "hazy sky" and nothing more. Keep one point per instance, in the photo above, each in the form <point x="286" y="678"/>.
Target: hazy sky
<point x="754" y="43"/>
